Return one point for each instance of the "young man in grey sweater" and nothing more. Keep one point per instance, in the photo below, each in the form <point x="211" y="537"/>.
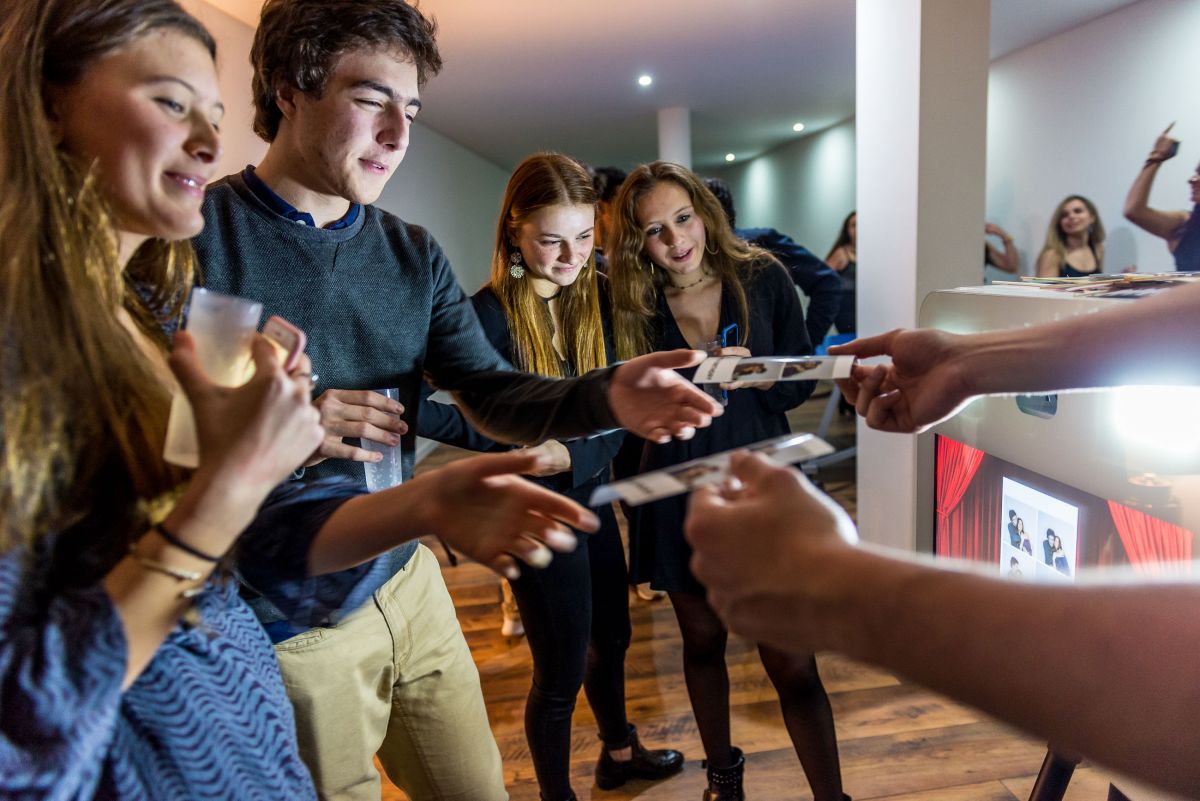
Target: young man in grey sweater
<point x="336" y="89"/>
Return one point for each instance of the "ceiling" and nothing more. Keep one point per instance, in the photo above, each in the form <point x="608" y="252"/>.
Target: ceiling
<point x="527" y="75"/>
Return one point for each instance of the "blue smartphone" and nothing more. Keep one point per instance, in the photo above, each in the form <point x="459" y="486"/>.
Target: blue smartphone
<point x="729" y="338"/>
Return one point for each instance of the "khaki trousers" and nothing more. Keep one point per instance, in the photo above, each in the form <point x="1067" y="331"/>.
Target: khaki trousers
<point x="394" y="678"/>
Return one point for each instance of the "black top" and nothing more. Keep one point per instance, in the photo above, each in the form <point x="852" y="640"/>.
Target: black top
<point x="658" y="552"/>
<point x="1067" y="271"/>
<point x="590" y="456"/>
<point x="1187" y="252"/>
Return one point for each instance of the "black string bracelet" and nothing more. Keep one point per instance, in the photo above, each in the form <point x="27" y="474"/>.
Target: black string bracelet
<point x="161" y="530"/>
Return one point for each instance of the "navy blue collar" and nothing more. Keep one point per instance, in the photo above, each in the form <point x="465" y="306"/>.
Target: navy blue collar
<point x="286" y="210"/>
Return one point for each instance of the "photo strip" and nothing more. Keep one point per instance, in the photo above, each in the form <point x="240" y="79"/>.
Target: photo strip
<point x="685" y="477"/>
<point x="726" y="369"/>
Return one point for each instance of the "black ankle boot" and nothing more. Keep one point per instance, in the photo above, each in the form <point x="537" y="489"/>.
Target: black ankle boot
<point x="644" y="764"/>
<point x="725" y="784"/>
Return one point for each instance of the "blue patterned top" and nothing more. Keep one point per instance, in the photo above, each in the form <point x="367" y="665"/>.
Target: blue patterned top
<point x="207" y="719"/>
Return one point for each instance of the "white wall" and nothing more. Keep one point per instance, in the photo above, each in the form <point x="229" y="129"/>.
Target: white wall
<point x="453" y="192"/>
<point x="440" y="184"/>
<point x="1077" y="113"/>
<point x="240" y="146"/>
<point x="804" y="188"/>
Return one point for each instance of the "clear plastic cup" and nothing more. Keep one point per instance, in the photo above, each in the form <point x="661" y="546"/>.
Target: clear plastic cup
<point x="223" y="327"/>
<point x="388" y="471"/>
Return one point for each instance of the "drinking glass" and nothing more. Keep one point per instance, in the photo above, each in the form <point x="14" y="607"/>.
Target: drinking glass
<point x="387" y="472"/>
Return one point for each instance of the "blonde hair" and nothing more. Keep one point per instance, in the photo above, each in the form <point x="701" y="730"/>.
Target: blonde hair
<point x="635" y="281"/>
<point x="540" y="181"/>
<point x="1054" y="237"/>
<point x="83" y="411"/>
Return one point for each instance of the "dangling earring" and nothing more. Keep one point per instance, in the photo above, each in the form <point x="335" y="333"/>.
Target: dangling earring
<point x="714" y="248"/>
<point x="515" y="268"/>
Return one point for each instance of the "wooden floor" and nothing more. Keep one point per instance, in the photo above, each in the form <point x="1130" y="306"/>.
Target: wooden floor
<point x="898" y="741"/>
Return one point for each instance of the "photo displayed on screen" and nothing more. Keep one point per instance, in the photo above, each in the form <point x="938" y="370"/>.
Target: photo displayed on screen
<point x="1046" y="546"/>
<point x="1034" y="528"/>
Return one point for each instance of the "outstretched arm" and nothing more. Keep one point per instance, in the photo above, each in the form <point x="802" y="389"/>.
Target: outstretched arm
<point x="1164" y="224"/>
<point x="933" y="373"/>
<point x="1118" y="653"/>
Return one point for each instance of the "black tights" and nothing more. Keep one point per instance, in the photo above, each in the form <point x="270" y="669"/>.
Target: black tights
<point x="576" y="617"/>
<point x="802" y="698"/>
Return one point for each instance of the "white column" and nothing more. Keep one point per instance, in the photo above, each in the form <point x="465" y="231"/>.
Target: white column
<point x="675" y="135"/>
<point x="922" y="68"/>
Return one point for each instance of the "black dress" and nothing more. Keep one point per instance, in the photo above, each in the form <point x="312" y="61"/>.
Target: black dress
<point x="658" y="552"/>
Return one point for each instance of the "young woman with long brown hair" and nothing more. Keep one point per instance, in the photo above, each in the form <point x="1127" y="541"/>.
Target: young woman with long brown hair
<point x="679" y="278"/>
<point x="1074" y="241"/>
<point x="543" y="309"/>
<point x="129" y="665"/>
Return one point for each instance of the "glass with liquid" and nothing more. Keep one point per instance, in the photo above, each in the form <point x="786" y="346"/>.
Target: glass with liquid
<point x="387" y="472"/>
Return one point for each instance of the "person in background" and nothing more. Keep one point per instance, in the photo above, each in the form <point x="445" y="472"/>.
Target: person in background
<point x="130" y="667"/>
<point x="679" y="275"/>
<point x="545" y="310"/>
<point x="607" y="182"/>
<point x="1074" y="241"/>
<point x="1180" y="229"/>
<point x="814" y="277"/>
<point x="843" y="257"/>
<point x="336" y="88"/>
<point x="1007" y="260"/>
<point x="802" y="584"/>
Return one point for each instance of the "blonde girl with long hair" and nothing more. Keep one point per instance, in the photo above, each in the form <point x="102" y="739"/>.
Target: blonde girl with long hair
<point x="130" y="666"/>
<point x="545" y="310"/>
<point x="1074" y="241"/>
<point x="681" y="278"/>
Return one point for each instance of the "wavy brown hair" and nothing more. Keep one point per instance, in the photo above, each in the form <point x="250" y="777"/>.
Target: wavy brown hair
<point x="83" y="410"/>
<point x="540" y="181"/>
<point x="636" y="281"/>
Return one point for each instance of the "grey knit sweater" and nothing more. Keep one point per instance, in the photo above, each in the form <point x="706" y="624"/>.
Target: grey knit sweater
<point x="381" y="307"/>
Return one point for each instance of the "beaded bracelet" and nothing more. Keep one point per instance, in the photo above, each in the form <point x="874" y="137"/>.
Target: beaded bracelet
<point x="171" y="539"/>
<point x="158" y="567"/>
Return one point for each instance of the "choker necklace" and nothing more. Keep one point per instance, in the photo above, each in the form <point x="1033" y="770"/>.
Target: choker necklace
<point x="552" y="297"/>
<point x="703" y="275"/>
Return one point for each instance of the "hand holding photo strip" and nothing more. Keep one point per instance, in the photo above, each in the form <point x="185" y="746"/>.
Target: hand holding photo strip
<point x="681" y="478"/>
<point x="726" y="369"/>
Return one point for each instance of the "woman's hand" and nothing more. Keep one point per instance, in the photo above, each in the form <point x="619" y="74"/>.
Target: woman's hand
<point x="736" y="350"/>
<point x="553" y="458"/>
<point x="251" y="437"/>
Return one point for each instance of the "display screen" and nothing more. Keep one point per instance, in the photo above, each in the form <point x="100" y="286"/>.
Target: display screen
<point x="1031" y="526"/>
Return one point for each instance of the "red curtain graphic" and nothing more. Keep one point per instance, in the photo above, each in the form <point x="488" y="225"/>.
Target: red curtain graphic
<point x="959" y="534"/>
<point x="1154" y="547"/>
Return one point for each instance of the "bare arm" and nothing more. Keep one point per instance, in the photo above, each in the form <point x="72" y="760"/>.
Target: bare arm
<point x="1008" y="261"/>
<point x="523" y="520"/>
<point x="838" y="259"/>
<point x="1048" y="264"/>
<point x="934" y="373"/>
<point x="800" y="585"/>
<point x="1163" y="224"/>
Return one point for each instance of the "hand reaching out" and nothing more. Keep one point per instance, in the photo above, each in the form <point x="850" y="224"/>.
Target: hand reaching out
<point x="924" y="384"/>
<point x="763" y="551"/>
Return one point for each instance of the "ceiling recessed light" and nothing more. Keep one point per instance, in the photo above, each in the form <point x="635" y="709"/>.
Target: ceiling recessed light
<point x="730" y="157"/>
<point x="645" y="80"/>
<point x="798" y="127"/>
